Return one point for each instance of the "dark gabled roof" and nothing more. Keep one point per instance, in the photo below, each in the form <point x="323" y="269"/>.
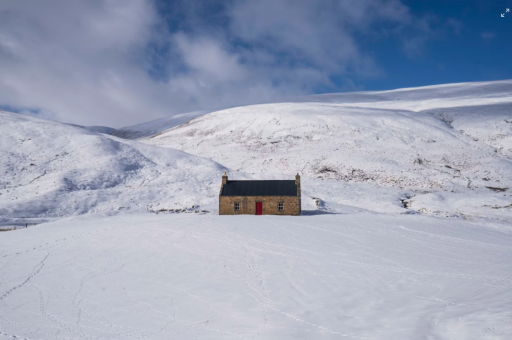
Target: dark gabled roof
<point x="260" y="188"/>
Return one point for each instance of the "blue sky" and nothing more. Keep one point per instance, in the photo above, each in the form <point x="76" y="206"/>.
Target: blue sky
<point x="437" y="42"/>
<point x="480" y="50"/>
<point x="122" y="62"/>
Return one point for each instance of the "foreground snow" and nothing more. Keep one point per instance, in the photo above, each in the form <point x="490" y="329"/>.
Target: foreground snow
<point x="189" y="276"/>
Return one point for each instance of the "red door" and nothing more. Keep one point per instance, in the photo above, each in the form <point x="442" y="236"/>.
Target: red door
<point x="259" y="208"/>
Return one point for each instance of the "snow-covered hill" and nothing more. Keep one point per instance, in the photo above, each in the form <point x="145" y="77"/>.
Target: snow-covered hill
<point x="450" y="144"/>
<point x="51" y="170"/>
<point x="422" y="98"/>
<point x="448" y="160"/>
<point x="155" y="126"/>
<point x="99" y="129"/>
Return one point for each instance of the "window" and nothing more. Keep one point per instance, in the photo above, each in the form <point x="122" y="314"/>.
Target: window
<point x="237" y="206"/>
<point x="280" y="206"/>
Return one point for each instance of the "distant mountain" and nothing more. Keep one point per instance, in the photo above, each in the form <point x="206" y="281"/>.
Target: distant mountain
<point x="98" y="129"/>
<point x="413" y="96"/>
<point x="155" y="126"/>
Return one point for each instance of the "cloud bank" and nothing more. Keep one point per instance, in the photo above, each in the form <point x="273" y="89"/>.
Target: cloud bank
<point x="122" y="62"/>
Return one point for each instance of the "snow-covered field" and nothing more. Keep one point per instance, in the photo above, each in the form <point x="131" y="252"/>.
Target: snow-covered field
<point x="189" y="276"/>
<point x="406" y="229"/>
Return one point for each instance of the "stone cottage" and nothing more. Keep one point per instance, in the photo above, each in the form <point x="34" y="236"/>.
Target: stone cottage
<point x="273" y="197"/>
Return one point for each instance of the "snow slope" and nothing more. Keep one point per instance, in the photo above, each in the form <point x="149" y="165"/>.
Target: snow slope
<point x="178" y="276"/>
<point x="155" y="126"/>
<point x="453" y="141"/>
<point x="50" y="170"/>
<point x="422" y="98"/>
<point x="99" y="129"/>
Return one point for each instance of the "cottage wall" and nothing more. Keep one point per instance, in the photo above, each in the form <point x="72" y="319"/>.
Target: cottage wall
<point x="269" y="205"/>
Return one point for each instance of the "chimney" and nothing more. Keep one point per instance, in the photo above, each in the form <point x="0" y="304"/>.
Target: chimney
<point x="224" y="178"/>
<point x="297" y="183"/>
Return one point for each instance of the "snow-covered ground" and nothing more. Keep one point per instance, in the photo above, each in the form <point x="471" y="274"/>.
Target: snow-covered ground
<point x="189" y="276"/>
<point x="448" y="147"/>
<point x="50" y="170"/>
<point x="406" y="229"/>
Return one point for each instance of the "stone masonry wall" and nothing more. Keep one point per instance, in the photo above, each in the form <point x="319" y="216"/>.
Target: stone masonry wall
<point x="269" y="205"/>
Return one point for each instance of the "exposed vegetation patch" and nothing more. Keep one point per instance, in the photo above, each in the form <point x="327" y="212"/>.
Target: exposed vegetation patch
<point x="406" y="202"/>
<point x="326" y="169"/>
<point x="497" y="207"/>
<point x="496" y="189"/>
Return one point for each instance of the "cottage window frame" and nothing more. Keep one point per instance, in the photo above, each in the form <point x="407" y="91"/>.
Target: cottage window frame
<point x="280" y="206"/>
<point x="237" y="206"/>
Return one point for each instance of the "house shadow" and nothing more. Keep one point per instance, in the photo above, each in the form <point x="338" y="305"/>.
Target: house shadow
<point x="319" y="212"/>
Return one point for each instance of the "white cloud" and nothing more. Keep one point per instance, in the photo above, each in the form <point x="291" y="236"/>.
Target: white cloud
<point x="78" y="59"/>
<point x="116" y="62"/>
<point x="206" y="57"/>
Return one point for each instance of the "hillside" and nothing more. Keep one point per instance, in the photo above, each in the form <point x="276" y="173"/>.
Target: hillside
<point x="449" y="146"/>
<point x="155" y="126"/>
<point x="52" y="170"/>
<point x="98" y="129"/>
